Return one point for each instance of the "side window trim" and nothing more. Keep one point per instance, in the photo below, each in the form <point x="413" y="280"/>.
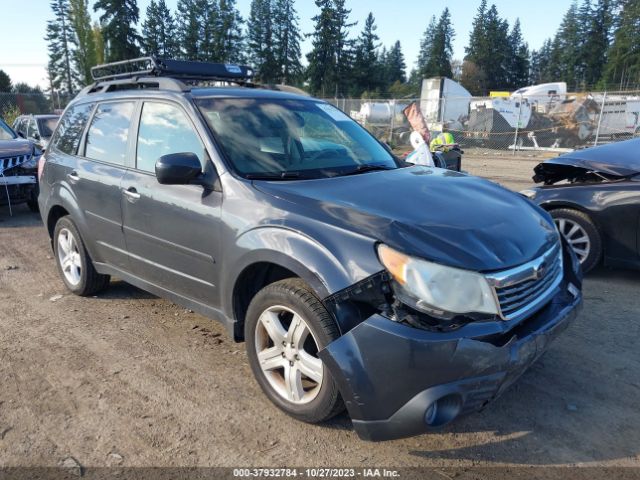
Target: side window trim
<point x="203" y="161"/>
<point x="83" y="137"/>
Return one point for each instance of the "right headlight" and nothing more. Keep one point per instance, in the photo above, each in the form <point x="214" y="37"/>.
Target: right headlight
<point x="436" y="289"/>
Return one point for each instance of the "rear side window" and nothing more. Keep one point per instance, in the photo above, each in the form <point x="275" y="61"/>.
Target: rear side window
<point x="109" y="132"/>
<point x="164" y="129"/>
<point x="69" y="131"/>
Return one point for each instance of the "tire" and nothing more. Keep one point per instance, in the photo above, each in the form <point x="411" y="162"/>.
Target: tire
<point x="280" y="306"/>
<point x="575" y="226"/>
<point x="75" y="265"/>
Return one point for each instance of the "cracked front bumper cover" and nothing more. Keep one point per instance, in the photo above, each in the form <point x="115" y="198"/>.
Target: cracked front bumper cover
<point x="389" y="373"/>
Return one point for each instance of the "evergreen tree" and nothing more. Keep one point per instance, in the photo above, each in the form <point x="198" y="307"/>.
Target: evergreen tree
<point x="597" y="25"/>
<point x="286" y="34"/>
<point x="84" y="55"/>
<point x="190" y="31"/>
<point x="159" y="31"/>
<point x="207" y="24"/>
<point x="344" y="46"/>
<point x="623" y="66"/>
<point x="486" y="65"/>
<point x="228" y="39"/>
<point x="98" y="41"/>
<point x="5" y="82"/>
<point x="119" y="20"/>
<point x="260" y="40"/>
<point x="426" y="47"/>
<point x="395" y="65"/>
<point x="540" y="61"/>
<point x="367" y="73"/>
<point x="518" y="60"/>
<point x="321" y="71"/>
<point x="566" y="49"/>
<point x="436" y="49"/>
<point x="60" y="41"/>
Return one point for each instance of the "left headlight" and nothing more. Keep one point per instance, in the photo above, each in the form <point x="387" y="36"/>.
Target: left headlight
<point x="436" y="289"/>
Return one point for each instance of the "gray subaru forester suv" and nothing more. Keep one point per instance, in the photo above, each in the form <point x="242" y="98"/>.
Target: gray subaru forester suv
<point x="409" y="295"/>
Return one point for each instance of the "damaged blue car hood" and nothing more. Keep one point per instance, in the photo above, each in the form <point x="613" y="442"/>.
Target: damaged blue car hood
<point x="440" y="215"/>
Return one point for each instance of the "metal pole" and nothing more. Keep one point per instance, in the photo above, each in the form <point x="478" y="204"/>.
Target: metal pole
<point x="515" y="138"/>
<point x="392" y="105"/>
<point x="604" y="97"/>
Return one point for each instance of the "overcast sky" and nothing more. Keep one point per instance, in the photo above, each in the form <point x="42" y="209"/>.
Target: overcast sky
<point x="23" y="52"/>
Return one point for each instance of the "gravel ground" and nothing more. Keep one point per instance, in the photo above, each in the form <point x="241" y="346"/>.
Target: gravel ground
<point x="128" y="379"/>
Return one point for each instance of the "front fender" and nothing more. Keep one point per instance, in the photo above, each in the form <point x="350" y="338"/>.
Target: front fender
<point x="324" y="271"/>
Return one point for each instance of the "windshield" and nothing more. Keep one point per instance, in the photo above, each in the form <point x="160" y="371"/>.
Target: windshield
<point x="292" y="138"/>
<point x="47" y="126"/>
<point x="5" y="132"/>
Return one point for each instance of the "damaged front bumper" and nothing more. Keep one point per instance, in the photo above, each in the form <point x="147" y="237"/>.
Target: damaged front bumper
<point x="399" y="381"/>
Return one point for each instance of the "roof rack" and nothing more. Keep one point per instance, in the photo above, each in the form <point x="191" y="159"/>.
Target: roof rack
<point x="177" y="69"/>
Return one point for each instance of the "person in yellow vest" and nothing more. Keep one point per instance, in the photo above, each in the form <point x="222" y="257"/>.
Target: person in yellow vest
<point x="442" y="143"/>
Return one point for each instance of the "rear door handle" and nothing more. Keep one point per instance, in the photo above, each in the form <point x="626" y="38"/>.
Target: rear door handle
<point x="73" y="177"/>
<point x="132" y="194"/>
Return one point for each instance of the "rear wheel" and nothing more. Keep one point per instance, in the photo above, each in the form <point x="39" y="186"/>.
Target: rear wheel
<point x="581" y="234"/>
<point x="74" y="263"/>
<point x="286" y="326"/>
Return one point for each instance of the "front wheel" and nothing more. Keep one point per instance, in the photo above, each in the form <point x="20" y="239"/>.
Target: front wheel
<point x="285" y="327"/>
<point x="581" y="234"/>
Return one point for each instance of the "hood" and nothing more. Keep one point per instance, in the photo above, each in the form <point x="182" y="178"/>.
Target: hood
<point x="12" y="148"/>
<point x="619" y="159"/>
<point x="439" y="215"/>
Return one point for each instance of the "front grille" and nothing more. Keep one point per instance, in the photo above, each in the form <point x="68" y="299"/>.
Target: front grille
<point x="10" y="162"/>
<point x="523" y="290"/>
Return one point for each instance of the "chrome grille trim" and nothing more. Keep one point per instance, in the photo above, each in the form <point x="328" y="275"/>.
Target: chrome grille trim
<point x="10" y="162"/>
<point x="522" y="290"/>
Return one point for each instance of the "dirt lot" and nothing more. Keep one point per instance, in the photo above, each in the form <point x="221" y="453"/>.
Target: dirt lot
<point x="129" y="379"/>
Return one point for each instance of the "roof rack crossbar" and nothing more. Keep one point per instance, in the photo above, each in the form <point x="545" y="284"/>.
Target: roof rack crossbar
<point x="178" y="69"/>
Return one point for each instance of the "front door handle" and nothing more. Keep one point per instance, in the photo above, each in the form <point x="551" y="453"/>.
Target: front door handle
<point x="73" y="177"/>
<point x="132" y="194"/>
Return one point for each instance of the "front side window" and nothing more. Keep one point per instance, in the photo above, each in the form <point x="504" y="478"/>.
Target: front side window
<point x="164" y="129"/>
<point x="277" y="138"/>
<point x="20" y="126"/>
<point x="108" y="133"/>
<point x="67" y="135"/>
<point x="32" y="131"/>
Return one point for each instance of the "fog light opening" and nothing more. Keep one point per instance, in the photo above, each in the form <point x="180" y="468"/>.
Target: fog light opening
<point x="443" y="410"/>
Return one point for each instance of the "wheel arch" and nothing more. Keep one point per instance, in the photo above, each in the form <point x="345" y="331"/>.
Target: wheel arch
<point x="272" y="254"/>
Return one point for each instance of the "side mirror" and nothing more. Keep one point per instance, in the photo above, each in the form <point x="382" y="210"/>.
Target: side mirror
<point x="20" y="134"/>
<point x="178" y="169"/>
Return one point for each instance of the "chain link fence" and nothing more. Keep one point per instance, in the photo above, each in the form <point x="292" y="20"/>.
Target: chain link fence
<point x="552" y="123"/>
<point x="511" y="123"/>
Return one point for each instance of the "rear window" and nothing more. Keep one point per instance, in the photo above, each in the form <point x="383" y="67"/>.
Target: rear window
<point x="69" y="131"/>
<point x="47" y="126"/>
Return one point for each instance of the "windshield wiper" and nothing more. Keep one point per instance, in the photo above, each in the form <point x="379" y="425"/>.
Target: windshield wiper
<point x="366" y="168"/>
<point x="274" y="176"/>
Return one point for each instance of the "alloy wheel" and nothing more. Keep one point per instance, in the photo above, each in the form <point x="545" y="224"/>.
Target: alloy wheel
<point x="287" y="354"/>
<point x="576" y="236"/>
<point x="69" y="257"/>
